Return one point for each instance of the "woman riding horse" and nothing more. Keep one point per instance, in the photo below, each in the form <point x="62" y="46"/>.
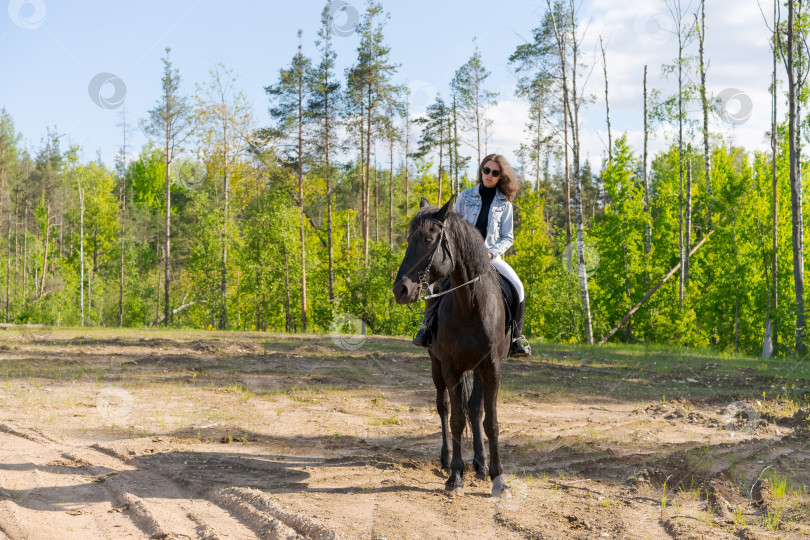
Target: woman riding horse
<point x="488" y="207"/>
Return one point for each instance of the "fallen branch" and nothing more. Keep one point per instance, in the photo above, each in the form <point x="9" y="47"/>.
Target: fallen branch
<point x="650" y="293"/>
<point x="174" y="311"/>
<point x="596" y="492"/>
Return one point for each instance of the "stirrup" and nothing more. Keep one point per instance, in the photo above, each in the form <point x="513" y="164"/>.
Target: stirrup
<point x="422" y="337"/>
<point x="520" y="348"/>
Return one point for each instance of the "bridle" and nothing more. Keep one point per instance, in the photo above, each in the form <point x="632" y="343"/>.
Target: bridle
<point x="423" y="279"/>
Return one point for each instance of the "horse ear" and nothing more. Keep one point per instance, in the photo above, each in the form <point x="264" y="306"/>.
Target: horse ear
<point x="448" y="207"/>
<point x="423" y="203"/>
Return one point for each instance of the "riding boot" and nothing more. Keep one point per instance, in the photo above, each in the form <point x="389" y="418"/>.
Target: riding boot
<point x="520" y="345"/>
<point x="424" y="336"/>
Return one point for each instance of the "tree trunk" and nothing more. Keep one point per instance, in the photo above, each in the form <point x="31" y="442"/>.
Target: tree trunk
<point x="646" y="180"/>
<point x="45" y="256"/>
<point x="287" y="317"/>
<point x="8" y="266"/>
<point x="301" y="202"/>
<point x="736" y="292"/>
<point x="81" y="250"/>
<point x="477" y="118"/>
<point x="441" y="149"/>
<point x="688" y="214"/>
<point x="16" y="244"/>
<point x="795" y="192"/>
<point x="565" y="145"/>
<point x="369" y="115"/>
<point x="363" y="176"/>
<point x="121" y="284"/>
<point x="774" y="149"/>
<point x="629" y="330"/>
<point x="583" y="277"/>
<point x="607" y="103"/>
<point x="538" y="144"/>
<point x="25" y="256"/>
<point x="682" y="252"/>
<point x="391" y="188"/>
<point x="705" y="102"/>
<point x="455" y="146"/>
<point x="376" y="203"/>
<point x="651" y="292"/>
<point x="407" y="143"/>
<point x="223" y="284"/>
<point x="329" y="233"/>
<point x="167" y="234"/>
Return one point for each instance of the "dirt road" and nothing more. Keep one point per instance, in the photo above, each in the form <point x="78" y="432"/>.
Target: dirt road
<point x="133" y="436"/>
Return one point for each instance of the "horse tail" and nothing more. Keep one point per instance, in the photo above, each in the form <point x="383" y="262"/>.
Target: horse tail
<point x="472" y="390"/>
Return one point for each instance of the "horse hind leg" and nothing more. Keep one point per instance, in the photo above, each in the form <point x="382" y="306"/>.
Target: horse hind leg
<point x="443" y="408"/>
<point x="473" y="400"/>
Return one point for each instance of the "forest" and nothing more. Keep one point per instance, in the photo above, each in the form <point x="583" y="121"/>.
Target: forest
<point x="290" y="222"/>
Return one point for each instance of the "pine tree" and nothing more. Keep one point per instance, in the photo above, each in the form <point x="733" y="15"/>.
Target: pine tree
<point x="170" y="122"/>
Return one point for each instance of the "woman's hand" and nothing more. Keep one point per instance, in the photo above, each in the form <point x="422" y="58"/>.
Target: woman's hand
<point x="490" y="255"/>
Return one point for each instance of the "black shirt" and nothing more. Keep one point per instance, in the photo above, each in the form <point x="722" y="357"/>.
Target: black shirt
<point x="487" y="196"/>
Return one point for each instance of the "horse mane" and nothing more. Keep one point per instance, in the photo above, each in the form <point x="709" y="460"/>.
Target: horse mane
<point x="464" y="236"/>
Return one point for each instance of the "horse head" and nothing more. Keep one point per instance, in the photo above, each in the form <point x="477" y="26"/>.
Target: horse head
<point x="425" y="259"/>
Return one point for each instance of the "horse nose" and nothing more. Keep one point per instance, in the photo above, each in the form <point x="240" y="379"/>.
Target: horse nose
<point x="401" y="290"/>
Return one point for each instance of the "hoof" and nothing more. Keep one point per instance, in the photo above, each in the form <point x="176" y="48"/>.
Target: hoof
<point x="499" y="489"/>
<point x="454" y="485"/>
<point x="481" y="475"/>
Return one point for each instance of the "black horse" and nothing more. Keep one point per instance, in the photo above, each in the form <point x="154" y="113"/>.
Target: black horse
<point x="470" y="335"/>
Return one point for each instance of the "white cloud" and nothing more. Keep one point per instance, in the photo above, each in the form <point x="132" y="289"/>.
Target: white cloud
<point x="738" y="53"/>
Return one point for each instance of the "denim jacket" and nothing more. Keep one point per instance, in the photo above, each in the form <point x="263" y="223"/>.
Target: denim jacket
<point x="499" y="226"/>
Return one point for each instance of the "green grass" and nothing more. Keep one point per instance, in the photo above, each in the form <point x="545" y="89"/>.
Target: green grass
<point x="555" y="371"/>
<point x="783" y="487"/>
<point x="383" y="421"/>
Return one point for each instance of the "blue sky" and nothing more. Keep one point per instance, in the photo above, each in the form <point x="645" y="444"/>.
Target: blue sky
<point x="52" y="50"/>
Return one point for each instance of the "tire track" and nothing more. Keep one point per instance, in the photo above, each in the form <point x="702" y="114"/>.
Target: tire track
<point x="123" y="502"/>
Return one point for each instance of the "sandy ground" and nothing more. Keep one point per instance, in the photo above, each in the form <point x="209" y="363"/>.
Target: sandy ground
<point x="233" y="438"/>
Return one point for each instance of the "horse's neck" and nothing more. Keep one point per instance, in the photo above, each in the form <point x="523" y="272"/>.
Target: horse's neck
<point x="463" y="297"/>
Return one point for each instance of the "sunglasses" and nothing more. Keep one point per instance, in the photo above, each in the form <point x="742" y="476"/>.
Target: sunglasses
<point x="495" y="172"/>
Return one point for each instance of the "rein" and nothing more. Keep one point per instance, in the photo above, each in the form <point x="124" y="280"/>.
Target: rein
<point x="423" y="282"/>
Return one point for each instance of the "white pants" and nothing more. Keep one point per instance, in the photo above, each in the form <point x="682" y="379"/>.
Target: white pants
<point x="506" y="271"/>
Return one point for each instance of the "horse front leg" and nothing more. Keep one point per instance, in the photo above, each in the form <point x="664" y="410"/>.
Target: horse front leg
<point x="455" y="484"/>
<point x="443" y="408"/>
<point x="475" y="412"/>
<point x="491" y="379"/>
